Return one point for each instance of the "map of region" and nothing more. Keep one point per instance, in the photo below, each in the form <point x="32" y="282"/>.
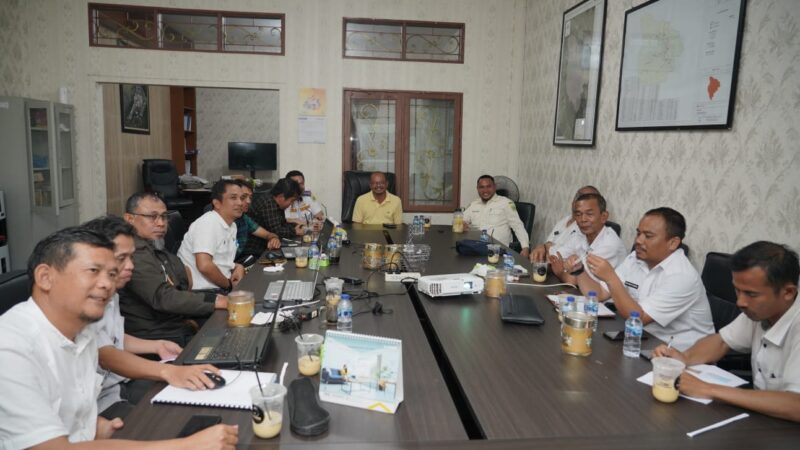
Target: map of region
<point x="713" y="87"/>
<point x="662" y="47"/>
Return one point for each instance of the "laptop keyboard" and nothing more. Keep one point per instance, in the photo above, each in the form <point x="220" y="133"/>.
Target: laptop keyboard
<point x="295" y="290"/>
<point x="235" y="343"/>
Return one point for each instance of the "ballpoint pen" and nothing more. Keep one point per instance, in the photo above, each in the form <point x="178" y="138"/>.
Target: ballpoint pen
<point x="669" y="344"/>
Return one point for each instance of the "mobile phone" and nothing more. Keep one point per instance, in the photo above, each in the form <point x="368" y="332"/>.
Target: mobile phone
<point x="199" y="422"/>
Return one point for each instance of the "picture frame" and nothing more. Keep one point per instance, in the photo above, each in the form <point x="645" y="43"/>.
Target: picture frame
<point x="679" y="66"/>
<point x="134" y="101"/>
<point x="579" y="71"/>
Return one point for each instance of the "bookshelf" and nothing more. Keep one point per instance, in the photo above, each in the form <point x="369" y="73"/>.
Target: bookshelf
<point x="183" y="120"/>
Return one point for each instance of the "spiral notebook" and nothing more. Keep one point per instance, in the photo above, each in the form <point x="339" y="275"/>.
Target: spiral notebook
<point x="362" y="371"/>
<point x="235" y="394"/>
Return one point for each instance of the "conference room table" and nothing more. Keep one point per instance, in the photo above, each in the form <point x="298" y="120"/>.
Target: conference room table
<point x="473" y="381"/>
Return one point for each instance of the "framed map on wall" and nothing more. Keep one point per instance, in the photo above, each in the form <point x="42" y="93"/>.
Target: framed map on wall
<point x="579" y="71"/>
<point x="680" y="60"/>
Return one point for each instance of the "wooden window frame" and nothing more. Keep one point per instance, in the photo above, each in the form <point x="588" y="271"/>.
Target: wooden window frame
<point x="155" y="10"/>
<point x="402" y="140"/>
<point x="404" y="24"/>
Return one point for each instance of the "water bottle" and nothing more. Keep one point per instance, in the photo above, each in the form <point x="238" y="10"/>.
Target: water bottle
<point x="313" y="256"/>
<point x="567" y="306"/>
<point x="592" y="307"/>
<point x="633" y="336"/>
<point x="344" y="314"/>
<point x="484" y="236"/>
<point x="508" y="262"/>
<point x="333" y="250"/>
<point x="419" y="225"/>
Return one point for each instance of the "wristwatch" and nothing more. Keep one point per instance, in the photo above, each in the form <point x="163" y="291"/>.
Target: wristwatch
<point x="577" y="272"/>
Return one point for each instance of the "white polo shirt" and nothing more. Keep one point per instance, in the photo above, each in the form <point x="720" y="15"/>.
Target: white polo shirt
<point x="299" y="209"/>
<point x="498" y="216"/>
<point x="209" y="234"/>
<point x="562" y="232"/>
<point x="110" y="330"/>
<point x="48" y="383"/>
<point x="774" y="351"/>
<point x="672" y="293"/>
<point x="606" y="245"/>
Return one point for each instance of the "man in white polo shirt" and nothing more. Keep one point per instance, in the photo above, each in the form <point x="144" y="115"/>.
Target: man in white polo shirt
<point x="765" y="276"/>
<point x="49" y="384"/>
<point x="209" y="247"/>
<point x="657" y="280"/>
<point x="562" y="230"/>
<point x="594" y="237"/>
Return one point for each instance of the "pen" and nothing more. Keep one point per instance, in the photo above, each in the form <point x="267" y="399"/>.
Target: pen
<point x="669" y="344"/>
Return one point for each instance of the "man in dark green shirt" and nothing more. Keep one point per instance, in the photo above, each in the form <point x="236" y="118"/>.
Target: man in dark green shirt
<point x="245" y="226"/>
<point x="267" y="212"/>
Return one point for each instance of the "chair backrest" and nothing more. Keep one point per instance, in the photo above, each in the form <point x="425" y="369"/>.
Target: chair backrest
<point x="14" y="288"/>
<point x="614" y="226"/>
<point x="526" y="212"/>
<point x="176" y="228"/>
<point x="159" y="175"/>
<point x="356" y="183"/>
<point x="718" y="281"/>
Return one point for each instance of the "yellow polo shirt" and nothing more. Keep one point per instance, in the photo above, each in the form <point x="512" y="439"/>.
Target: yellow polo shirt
<point x="370" y="212"/>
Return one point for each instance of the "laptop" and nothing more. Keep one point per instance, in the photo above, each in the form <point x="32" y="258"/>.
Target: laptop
<point x="291" y="290"/>
<point x="519" y="309"/>
<point x="243" y="347"/>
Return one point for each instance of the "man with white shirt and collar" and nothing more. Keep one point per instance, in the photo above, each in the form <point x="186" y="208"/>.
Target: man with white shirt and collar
<point x="496" y="214"/>
<point x="656" y="280"/>
<point x="49" y="383"/>
<point x="562" y="230"/>
<point x="306" y="208"/>
<point x="209" y="247"/>
<point x="593" y="237"/>
<point x="765" y="276"/>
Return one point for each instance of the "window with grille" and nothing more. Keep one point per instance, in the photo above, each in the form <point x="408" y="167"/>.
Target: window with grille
<point x="403" y="40"/>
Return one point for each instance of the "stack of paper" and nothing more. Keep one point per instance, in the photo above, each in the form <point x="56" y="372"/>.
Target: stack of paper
<point x="705" y="372"/>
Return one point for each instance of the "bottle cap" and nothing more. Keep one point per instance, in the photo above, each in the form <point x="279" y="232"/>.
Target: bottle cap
<point x="345" y="297"/>
<point x="570" y="299"/>
<point x="635" y="314"/>
<point x="592" y="293"/>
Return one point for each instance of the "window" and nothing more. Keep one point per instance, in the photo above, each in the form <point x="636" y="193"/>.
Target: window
<point x="186" y="30"/>
<point x="416" y="135"/>
<point x="403" y="40"/>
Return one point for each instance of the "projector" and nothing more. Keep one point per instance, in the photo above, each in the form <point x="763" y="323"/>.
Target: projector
<point x="449" y="285"/>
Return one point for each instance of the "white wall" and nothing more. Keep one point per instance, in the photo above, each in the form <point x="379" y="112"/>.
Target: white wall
<point x="45" y="46"/>
<point x="734" y="187"/>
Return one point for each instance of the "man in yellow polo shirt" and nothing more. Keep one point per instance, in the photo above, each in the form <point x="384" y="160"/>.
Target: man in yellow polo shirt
<point x="378" y="206"/>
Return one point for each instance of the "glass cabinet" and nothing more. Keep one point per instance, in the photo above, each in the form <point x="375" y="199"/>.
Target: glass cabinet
<point x="51" y="156"/>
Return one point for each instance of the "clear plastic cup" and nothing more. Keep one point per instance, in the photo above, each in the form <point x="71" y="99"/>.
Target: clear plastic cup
<point x="308" y="353"/>
<point x="539" y="271"/>
<point x="333" y="293"/>
<point x="665" y="372"/>
<point x="241" y="307"/>
<point x="267" y="409"/>
<point x="495" y="283"/>
<point x="494" y="253"/>
<point x="301" y="257"/>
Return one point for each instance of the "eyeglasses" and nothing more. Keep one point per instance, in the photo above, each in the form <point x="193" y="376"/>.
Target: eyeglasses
<point x="153" y="217"/>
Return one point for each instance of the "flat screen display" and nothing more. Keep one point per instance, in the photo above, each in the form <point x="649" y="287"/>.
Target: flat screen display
<point x="252" y="156"/>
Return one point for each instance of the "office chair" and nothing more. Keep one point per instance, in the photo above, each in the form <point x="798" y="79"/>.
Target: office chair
<point x="526" y="213"/>
<point x="682" y="246"/>
<point x="356" y="183"/>
<point x="159" y="175"/>
<point x="14" y="288"/>
<point x="176" y="228"/>
<point x="614" y="226"/>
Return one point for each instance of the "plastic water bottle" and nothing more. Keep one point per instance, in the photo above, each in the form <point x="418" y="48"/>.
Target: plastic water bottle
<point x="484" y="236"/>
<point x="567" y="306"/>
<point x="633" y="336"/>
<point x="592" y="307"/>
<point x="420" y="227"/>
<point x="508" y="262"/>
<point x="333" y="250"/>
<point x="344" y="314"/>
<point x="313" y="256"/>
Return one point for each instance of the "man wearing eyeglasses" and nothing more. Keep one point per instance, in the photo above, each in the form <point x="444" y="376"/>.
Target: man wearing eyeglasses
<point x="158" y="302"/>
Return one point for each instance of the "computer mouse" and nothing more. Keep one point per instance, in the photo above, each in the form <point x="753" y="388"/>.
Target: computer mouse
<point x="216" y="379"/>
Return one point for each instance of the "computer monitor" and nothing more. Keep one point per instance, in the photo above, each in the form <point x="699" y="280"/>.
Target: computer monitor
<point x="252" y="156"/>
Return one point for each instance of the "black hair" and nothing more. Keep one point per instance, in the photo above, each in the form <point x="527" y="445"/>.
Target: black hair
<point x="286" y="187"/>
<point x="133" y="201"/>
<point x="219" y="188"/>
<point x="244" y="184"/>
<point x="110" y="227"/>
<point x="601" y="201"/>
<point x="295" y="173"/>
<point x="778" y="261"/>
<point x="56" y="250"/>
<point x="674" y="221"/>
<point x="485" y="177"/>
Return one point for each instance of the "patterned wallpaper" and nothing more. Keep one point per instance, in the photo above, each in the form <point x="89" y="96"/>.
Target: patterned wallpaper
<point x="234" y="115"/>
<point x="733" y="187"/>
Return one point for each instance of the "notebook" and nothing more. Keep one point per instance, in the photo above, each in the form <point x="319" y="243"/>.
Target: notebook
<point x="519" y="309"/>
<point x="235" y="394"/>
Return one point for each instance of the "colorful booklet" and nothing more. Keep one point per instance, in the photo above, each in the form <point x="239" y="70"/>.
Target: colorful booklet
<point x="363" y="371"/>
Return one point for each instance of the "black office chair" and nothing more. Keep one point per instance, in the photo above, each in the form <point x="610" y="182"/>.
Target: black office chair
<point x="176" y="228"/>
<point x="526" y="213"/>
<point x="159" y="175"/>
<point x="614" y="226"/>
<point x="14" y="288"/>
<point x="356" y="183"/>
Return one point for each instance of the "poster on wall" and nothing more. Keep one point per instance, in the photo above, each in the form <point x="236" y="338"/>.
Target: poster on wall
<point x="580" y="65"/>
<point x="134" y="100"/>
<point x="313" y="102"/>
<point x="680" y="60"/>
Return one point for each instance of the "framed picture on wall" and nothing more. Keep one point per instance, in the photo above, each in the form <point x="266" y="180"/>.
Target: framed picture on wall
<point x="579" y="69"/>
<point x="679" y="64"/>
<point x="134" y="100"/>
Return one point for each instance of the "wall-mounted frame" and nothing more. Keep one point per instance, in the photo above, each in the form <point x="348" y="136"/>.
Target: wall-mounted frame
<point x="679" y="66"/>
<point x="579" y="69"/>
<point x="134" y="103"/>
